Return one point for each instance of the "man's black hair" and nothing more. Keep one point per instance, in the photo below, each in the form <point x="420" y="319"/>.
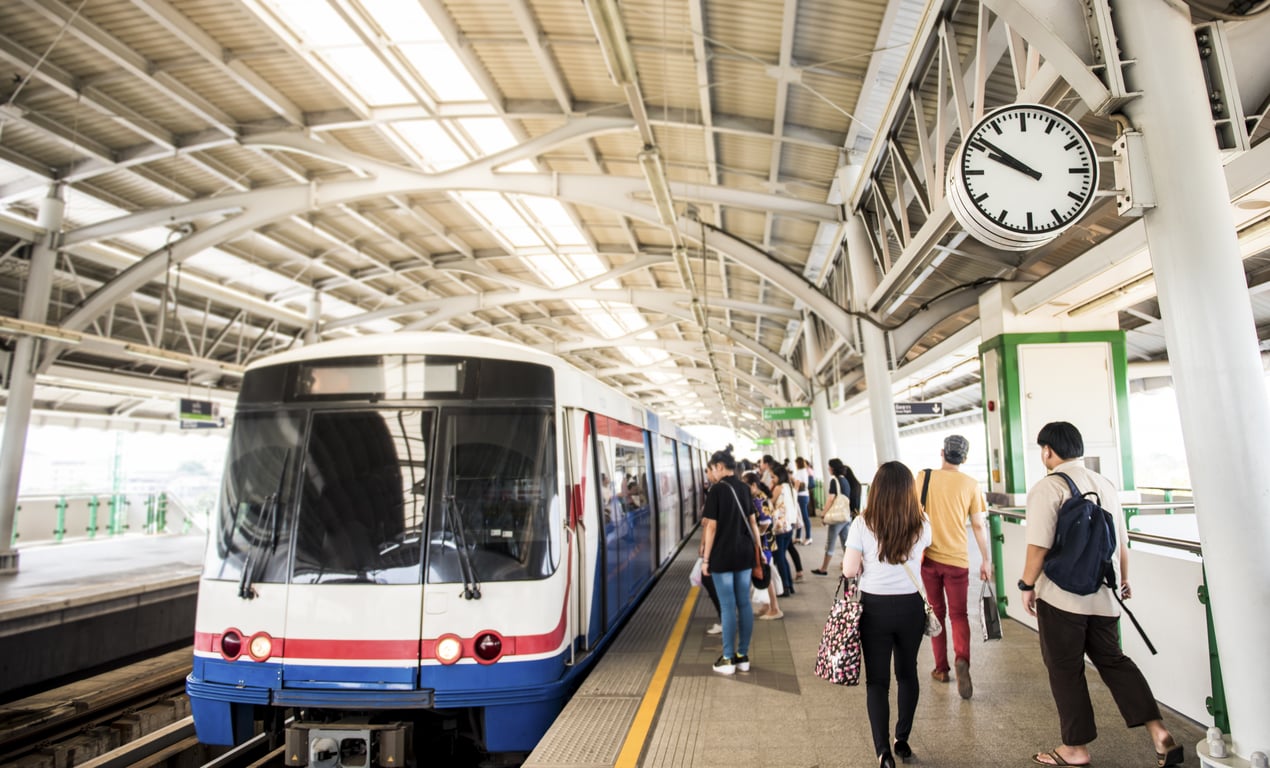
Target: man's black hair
<point x="1063" y="439"/>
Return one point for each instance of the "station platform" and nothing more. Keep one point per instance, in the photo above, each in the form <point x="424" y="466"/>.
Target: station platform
<point x="654" y="701"/>
<point x="77" y="605"/>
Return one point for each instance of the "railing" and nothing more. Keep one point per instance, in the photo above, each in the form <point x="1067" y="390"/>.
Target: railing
<point x="1165" y="571"/>
<point x="53" y="519"/>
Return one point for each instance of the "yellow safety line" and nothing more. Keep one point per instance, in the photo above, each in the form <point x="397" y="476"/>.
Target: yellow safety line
<point x="643" y="722"/>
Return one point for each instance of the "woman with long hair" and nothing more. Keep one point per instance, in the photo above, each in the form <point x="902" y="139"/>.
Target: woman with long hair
<point x="785" y="518"/>
<point x="886" y="554"/>
<point x="729" y="555"/>
<point x="762" y="498"/>
<point x="842" y="481"/>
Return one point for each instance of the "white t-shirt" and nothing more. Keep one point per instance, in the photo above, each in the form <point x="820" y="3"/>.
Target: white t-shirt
<point x="880" y="578"/>
<point x="802" y="476"/>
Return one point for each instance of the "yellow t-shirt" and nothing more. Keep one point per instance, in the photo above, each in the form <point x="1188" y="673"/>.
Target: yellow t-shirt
<point x="952" y="498"/>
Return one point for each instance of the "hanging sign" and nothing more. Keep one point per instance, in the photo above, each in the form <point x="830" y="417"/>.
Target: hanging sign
<point x="935" y="408"/>
<point x="798" y="413"/>
<point x="765" y="441"/>
<point x="200" y="414"/>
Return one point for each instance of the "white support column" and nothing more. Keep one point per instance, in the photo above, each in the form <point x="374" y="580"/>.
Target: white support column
<point x="314" y="318"/>
<point x="824" y="432"/>
<point x="1212" y="344"/>
<point x="877" y="373"/>
<point x="17" y="416"/>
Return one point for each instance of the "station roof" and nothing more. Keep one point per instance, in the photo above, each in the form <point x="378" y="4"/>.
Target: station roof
<point x="653" y="189"/>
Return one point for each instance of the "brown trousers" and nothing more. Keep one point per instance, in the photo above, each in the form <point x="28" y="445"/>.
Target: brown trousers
<point x="1066" y="638"/>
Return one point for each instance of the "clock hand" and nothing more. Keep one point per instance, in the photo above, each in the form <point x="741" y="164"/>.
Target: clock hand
<point x="1005" y="158"/>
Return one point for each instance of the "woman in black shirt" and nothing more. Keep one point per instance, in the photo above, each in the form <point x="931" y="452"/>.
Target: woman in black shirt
<point x="730" y="554"/>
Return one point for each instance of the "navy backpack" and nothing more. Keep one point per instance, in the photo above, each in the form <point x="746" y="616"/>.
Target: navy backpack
<point x="1084" y="542"/>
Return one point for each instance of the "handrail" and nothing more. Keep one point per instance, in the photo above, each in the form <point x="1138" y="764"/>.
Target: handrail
<point x="1186" y="545"/>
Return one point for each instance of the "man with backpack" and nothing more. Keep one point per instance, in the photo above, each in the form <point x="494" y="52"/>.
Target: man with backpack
<point x="1073" y="542"/>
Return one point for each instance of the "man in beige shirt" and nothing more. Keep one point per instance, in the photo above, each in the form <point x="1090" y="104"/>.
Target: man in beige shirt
<point x="1071" y="626"/>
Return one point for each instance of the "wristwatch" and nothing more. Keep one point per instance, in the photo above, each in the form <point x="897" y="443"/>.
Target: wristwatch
<point x="1025" y="587"/>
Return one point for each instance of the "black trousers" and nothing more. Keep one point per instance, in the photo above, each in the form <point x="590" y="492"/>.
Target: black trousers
<point x="708" y="583"/>
<point x="891" y="625"/>
<point x="1066" y="638"/>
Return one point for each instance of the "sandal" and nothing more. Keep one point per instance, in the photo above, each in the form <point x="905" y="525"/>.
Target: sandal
<point x="1174" y="756"/>
<point x="819" y="573"/>
<point x="1053" y="755"/>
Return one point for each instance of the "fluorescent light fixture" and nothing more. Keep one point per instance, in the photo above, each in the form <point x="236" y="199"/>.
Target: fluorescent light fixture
<point x="16" y="327"/>
<point x="606" y="20"/>
<point x="655" y="174"/>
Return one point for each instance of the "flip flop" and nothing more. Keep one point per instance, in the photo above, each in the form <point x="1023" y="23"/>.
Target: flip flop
<point x="1174" y="756"/>
<point x="1057" y="758"/>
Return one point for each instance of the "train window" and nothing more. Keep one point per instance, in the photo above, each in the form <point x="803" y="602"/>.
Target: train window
<point x="363" y="497"/>
<point x="255" y="523"/>
<point x="496" y="496"/>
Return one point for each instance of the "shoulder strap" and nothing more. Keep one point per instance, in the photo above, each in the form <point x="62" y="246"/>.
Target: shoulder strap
<point x="745" y="521"/>
<point x="926" y="484"/>
<point x="1071" y="485"/>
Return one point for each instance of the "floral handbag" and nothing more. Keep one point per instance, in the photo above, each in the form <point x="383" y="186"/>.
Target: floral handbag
<point x="838" y="659"/>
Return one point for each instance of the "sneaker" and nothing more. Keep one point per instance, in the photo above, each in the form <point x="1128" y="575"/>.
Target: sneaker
<point x="724" y="666"/>
<point x="717" y="629"/>
<point x="742" y="663"/>
<point x="965" y="687"/>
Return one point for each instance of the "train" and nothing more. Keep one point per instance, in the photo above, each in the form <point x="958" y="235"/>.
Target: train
<point x="426" y="533"/>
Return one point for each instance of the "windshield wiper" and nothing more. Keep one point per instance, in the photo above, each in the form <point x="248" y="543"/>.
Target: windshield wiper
<point x="457" y="529"/>
<point x="269" y="514"/>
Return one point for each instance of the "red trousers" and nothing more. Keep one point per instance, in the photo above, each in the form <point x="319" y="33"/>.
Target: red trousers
<point x="946" y="587"/>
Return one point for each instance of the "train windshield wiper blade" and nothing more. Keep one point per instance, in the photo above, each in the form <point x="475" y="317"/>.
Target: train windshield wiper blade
<point x="269" y="516"/>
<point x="454" y="524"/>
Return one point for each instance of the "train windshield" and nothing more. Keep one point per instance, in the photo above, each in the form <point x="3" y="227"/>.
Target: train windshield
<point x="496" y="497"/>
<point x="320" y="488"/>
<point x="253" y="538"/>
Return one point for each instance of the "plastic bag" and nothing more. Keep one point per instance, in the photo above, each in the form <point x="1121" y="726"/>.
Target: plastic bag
<point x="695" y="576"/>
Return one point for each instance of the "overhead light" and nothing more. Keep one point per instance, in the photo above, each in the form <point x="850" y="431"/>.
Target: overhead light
<point x="655" y="175"/>
<point x="609" y="30"/>
<point x="14" y="326"/>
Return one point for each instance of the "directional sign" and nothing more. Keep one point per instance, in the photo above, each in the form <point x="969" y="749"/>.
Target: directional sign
<point x="199" y="414"/>
<point x="801" y="413"/>
<point x="765" y="441"/>
<point x="784" y="433"/>
<point x="919" y="409"/>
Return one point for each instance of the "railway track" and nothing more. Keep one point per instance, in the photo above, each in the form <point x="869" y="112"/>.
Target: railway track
<point x="75" y="723"/>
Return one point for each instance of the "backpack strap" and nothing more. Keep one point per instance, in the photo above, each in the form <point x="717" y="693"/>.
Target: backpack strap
<point x="926" y="484"/>
<point x="1071" y="485"/>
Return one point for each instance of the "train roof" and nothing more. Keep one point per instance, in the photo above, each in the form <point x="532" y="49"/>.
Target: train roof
<point x="412" y="343"/>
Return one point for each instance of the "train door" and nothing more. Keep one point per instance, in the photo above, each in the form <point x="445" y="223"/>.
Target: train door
<point x="668" y="498"/>
<point x="355" y="600"/>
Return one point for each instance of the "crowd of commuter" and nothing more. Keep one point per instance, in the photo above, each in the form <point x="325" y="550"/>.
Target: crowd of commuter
<point x="908" y="547"/>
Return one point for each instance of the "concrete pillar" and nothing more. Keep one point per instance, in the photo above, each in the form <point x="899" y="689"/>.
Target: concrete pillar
<point x="877" y="371"/>
<point x="314" y="318"/>
<point x="824" y="431"/>
<point x="17" y="416"/>
<point x="1212" y="344"/>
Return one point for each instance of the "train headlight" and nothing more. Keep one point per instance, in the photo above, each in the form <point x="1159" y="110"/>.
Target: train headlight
<point x="261" y="646"/>
<point x="449" y="649"/>
<point x="231" y="644"/>
<point x="488" y="647"/>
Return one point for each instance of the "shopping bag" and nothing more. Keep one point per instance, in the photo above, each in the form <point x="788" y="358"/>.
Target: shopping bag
<point x="838" y="659"/>
<point x="989" y="614"/>
<point x="694" y="577"/>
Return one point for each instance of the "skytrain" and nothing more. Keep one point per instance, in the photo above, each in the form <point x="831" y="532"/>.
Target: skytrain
<point x="423" y="534"/>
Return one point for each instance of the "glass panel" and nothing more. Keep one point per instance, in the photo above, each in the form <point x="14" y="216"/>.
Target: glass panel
<point x="667" y="497"/>
<point x="497" y="500"/>
<point x="255" y="520"/>
<point x="363" y="501"/>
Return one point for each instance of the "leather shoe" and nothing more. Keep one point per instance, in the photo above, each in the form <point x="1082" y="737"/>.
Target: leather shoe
<point x="940" y="674"/>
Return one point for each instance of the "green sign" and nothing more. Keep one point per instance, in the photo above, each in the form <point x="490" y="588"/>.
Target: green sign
<point x="765" y="441"/>
<point x="799" y="413"/>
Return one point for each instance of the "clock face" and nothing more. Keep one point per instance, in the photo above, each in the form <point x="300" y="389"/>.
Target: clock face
<point x="1024" y="173"/>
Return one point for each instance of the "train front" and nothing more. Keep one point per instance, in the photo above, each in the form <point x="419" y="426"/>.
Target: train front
<point x="387" y="559"/>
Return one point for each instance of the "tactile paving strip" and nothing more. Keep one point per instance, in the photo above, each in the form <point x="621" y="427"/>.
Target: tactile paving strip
<point x="586" y="738"/>
<point x="678" y="737"/>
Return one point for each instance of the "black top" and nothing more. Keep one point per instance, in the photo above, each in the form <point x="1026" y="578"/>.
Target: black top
<point x="733" y="548"/>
